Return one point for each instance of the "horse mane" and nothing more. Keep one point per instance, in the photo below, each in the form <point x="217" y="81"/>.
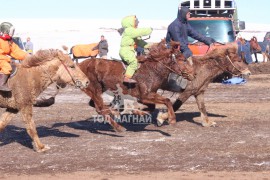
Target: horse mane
<point x="159" y="50"/>
<point x="40" y="57"/>
<point x="218" y="53"/>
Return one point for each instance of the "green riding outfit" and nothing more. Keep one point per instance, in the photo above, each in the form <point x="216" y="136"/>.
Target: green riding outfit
<point x="131" y="39"/>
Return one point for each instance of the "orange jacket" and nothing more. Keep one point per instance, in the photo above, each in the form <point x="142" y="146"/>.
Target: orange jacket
<point x="84" y="50"/>
<point x="8" y="48"/>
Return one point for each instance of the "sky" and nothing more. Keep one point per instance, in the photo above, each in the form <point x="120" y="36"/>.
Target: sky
<point x="250" y="11"/>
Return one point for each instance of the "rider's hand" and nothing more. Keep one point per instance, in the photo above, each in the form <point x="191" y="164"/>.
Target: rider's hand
<point x="211" y="46"/>
<point x="212" y="40"/>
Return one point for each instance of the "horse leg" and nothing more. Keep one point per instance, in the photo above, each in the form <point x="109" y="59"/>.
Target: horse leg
<point x="256" y="61"/>
<point x="27" y="114"/>
<point x="202" y="109"/>
<point x="176" y="105"/>
<point x="6" y="118"/>
<point x="104" y="110"/>
<point x="263" y="56"/>
<point x="154" y="98"/>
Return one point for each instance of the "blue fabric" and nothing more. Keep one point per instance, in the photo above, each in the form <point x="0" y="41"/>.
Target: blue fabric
<point x="263" y="45"/>
<point x="180" y="29"/>
<point x="246" y="49"/>
<point x="234" y="80"/>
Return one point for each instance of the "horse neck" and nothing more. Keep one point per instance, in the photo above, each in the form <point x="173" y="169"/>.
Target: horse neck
<point x="45" y="72"/>
<point x="206" y="71"/>
<point x="158" y="68"/>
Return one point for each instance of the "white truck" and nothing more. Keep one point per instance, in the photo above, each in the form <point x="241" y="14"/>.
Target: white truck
<point x="213" y="18"/>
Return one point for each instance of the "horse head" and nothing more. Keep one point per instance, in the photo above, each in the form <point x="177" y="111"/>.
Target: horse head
<point x="183" y="66"/>
<point x="57" y="67"/>
<point x="227" y="59"/>
<point x="254" y="45"/>
<point x="171" y="58"/>
<point x="70" y="73"/>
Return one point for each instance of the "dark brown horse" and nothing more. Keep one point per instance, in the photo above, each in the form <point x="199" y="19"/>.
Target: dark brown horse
<point x="105" y="75"/>
<point x="221" y="59"/>
<point x="33" y="76"/>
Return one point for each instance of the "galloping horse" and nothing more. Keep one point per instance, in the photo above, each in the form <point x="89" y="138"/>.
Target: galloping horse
<point x="207" y="67"/>
<point x="105" y="75"/>
<point x="33" y="76"/>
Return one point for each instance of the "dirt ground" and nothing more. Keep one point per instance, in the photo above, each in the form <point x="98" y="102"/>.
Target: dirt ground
<point x="237" y="148"/>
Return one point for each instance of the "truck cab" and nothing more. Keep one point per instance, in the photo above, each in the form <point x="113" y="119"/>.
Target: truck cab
<point x="213" y="18"/>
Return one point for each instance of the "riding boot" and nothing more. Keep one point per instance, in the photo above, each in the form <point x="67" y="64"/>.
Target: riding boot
<point x="3" y="82"/>
<point x="129" y="80"/>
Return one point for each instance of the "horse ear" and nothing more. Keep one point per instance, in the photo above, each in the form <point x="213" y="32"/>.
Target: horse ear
<point x="60" y="55"/>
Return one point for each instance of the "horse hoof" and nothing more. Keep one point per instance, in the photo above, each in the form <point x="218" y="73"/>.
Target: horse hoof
<point x="209" y="124"/>
<point x="120" y="129"/>
<point x="160" y="122"/>
<point x="172" y="122"/>
<point x="46" y="148"/>
<point x="161" y="117"/>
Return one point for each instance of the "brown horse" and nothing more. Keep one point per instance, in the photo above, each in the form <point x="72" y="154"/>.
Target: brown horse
<point x="33" y="76"/>
<point x="105" y="75"/>
<point x="259" y="47"/>
<point x="221" y="59"/>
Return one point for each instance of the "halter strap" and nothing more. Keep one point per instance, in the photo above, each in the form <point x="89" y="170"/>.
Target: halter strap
<point x="234" y="67"/>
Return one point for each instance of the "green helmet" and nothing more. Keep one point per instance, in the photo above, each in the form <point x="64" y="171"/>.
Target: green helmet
<point x="7" y="28"/>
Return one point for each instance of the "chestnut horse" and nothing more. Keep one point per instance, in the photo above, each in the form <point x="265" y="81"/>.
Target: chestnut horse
<point x="105" y="75"/>
<point x="259" y="47"/>
<point x="207" y="67"/>
<point x="33" y="76"/>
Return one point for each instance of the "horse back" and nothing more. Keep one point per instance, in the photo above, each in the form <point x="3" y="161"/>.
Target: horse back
<point x="102" y="69"/>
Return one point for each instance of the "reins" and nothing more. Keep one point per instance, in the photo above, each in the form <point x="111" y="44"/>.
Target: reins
<point x="73" y="80"/>
<point x="234" y="67"/>
<point x="172" y="58"/>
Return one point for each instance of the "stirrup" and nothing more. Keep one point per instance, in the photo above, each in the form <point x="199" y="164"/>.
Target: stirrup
<point x="4" y="88"/>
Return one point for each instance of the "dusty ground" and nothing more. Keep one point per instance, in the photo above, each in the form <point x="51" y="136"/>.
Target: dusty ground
<point x="237" y="148"/>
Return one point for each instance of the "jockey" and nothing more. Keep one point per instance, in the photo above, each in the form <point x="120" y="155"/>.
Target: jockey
<point x="180" y="29"/>
<point x="8" y="48"/>
<point x="130" y="39"/>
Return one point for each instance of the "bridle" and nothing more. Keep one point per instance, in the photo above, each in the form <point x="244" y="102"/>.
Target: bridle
<point x="77" y="83"/>
<point x="234" y="67"/>
<point x="172" y="70"/>
<point x="227" y="57"/>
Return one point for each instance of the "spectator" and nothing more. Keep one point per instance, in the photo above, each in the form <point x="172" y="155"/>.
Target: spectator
<point x="102" y="48"/>
<point x="8" y="49"/>
<point x="29" y="46"/>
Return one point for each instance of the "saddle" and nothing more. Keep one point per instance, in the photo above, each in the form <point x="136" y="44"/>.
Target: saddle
<point x="176" y="83"/>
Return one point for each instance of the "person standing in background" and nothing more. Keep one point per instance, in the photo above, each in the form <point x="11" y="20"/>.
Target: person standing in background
<point x="102" y="48"/>
<point x="29" y="46"/>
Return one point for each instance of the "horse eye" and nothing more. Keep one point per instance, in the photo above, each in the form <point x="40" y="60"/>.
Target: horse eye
<point x="72" y="66"/>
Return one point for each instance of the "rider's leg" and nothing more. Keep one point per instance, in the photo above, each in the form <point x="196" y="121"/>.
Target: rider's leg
<point x="129" y="56"/>
<point x="5" y="69"/>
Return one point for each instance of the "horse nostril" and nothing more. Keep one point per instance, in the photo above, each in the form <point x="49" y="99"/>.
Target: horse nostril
<point x="87" y="84"/>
